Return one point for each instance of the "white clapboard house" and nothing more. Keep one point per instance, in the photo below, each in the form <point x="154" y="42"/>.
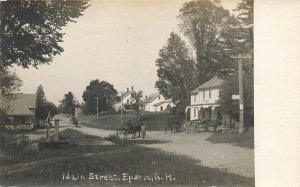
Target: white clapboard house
<point x="156" y="103"/>
<point x="204" y="102"/>
<point x="126" y="100"/>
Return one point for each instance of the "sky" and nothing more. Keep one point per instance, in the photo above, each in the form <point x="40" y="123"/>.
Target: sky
<point x="116" y="41"/>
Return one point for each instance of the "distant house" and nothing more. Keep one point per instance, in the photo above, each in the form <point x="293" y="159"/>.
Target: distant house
<point x="156" y="103"/>
<point x="78" y="111"/>
<point x="204" y="102"/>
<point x="3" y="104"/>
<point x="126" y="100"/>
<point x="21" y="109"/>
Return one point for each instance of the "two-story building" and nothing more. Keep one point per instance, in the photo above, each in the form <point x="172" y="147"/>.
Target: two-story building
<point x="125" y="100"/>
<point x="156" y="103"/>
<point x="204" y="101"/>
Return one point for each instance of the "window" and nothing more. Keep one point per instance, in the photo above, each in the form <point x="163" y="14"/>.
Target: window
<point x="195" y="98"/>
<point x="203" y="94"/>
<point x="158" y="97"/>
<point x="161" y="108"/>
<point x="209" y="93"/>
<point x="203" y="113"/>
<point x="195" y="111"/>
<point x="127" y="100"/>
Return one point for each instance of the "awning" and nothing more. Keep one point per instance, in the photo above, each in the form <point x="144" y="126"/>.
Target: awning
<point x="198" y="107"/>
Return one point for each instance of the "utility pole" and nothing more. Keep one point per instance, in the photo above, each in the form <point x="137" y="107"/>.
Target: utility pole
<point x="241" y="91"/>
<point x="97" y="106"/>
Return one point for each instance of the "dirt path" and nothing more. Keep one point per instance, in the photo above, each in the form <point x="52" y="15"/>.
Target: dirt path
<point x="227" y="157"/>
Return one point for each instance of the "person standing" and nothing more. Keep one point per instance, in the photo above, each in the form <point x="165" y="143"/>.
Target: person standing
<point x="143" y="131"/>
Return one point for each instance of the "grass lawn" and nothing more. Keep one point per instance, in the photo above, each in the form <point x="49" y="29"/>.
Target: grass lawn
<point x="153" y="120"/>
<point x="245" y="139"/>
<point x="116" y="162"/>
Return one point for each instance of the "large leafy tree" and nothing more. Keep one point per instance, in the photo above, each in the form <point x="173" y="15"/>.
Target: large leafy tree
<point x="176" y="71"/>
<point x="9" y="83"/>
<point x="68" y="103"/>
<point x="31" y="30"/>
<point x="241" y="42"/>
<point x="106" y="93"/>
<point x="203" y="21"/>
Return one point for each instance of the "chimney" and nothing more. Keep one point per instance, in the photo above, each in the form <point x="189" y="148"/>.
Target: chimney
<point x="127" y="89"/>
<point x="132" y="88"/>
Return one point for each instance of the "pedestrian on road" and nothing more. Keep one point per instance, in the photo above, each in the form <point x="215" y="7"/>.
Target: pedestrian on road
<point x="71" y="119"/>
<point x="143" y="131"/>
<point x="75" y="121"/>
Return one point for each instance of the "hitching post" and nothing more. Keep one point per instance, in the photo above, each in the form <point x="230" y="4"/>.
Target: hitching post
<point x="56" y="130"/>
<point x="121" y="109"/>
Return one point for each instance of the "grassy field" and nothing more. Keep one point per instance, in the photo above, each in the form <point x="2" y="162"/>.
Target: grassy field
<point x="153" y="120"/>
<point x="245" y="139"/>
<point x="80" y="155"/>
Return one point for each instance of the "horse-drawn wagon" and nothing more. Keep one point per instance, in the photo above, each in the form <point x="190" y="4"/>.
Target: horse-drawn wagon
<point x="132" y="128"/>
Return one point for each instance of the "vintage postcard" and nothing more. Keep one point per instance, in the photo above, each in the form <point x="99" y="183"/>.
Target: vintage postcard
<point x="127" y="93"/>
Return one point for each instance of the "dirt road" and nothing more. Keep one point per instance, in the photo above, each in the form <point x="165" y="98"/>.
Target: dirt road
<point x="226" y="157"/>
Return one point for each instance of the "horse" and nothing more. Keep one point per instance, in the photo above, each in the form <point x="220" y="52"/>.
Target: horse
<point x="133" y="129"/>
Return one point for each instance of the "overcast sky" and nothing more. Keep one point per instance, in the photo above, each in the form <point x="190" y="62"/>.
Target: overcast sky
<point x="116" y="41"/>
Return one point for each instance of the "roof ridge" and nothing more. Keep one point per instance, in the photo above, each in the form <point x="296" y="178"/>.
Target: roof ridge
<point x="209" y="83"/>
<point x="156" y="94"/>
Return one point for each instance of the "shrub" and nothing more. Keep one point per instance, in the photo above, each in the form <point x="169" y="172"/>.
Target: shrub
<point x="117" y="140"/>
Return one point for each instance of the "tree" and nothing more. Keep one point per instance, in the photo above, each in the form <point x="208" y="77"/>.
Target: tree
<point x="9" y="83"/>
<point x="230" y="106"/>
<point x="246" y="43"/>
<point x="40" y="101"/>
<point x="50" y="107"/>
<point x="176" y="71"/>
<point x="31" y="30"/>
<point x="245" y="16"/>
<point x="202" y="21"/>
<point x="68" y="103"/>
<point x="104" y="91"/>
<point x="241" y="40"/>
<point x="137" y="104"/>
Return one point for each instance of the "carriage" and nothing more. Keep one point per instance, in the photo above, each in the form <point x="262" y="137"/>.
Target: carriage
<point x="132" y="128"/>
<point x="173" y="124"/>
<point x="205" y="125"/>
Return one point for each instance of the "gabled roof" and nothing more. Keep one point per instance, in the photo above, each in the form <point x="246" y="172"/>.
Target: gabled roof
<point x="214" y="82"/>
<point x="161" y="102"/>
<point x="22" y="105"/>
<point x="125" y="94"/>
<point x="151" y="97"/>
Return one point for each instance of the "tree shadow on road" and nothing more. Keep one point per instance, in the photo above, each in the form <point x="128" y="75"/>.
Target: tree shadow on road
<point x="145" y="141"/>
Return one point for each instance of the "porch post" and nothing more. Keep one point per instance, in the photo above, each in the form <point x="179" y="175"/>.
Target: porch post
<point x="214" y="122"/>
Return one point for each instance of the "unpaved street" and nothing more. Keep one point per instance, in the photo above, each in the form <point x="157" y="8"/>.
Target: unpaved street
<point x="224" y="156"/>
<point x="227" y="157"/>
